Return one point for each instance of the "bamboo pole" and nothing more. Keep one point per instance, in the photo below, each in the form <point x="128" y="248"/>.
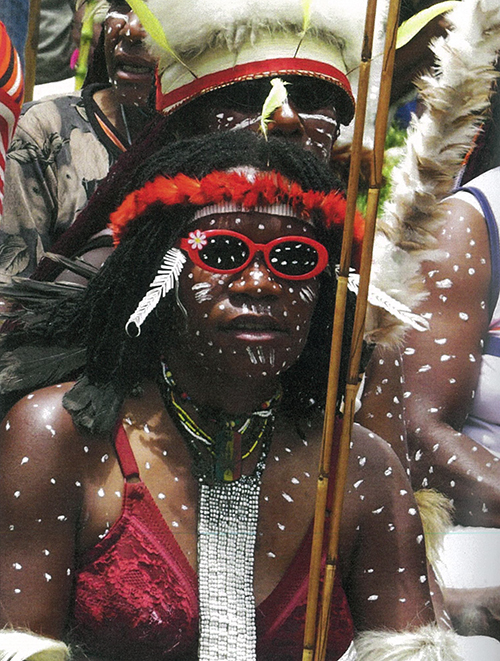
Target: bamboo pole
<point x="31" y="49"/>
<point x="359" y="323"/>
<point x="337" y="335"/>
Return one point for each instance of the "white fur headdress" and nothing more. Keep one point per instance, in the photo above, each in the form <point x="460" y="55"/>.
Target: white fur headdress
<point x="219" y="43"/>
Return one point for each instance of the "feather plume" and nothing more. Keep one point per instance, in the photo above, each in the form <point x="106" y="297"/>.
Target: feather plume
<point x="275" y="99"/>
<point x="410" y="28"/>
<point x="25" y="290"/>
<point x="165" y="280"/>
<point x="30" y="367"/>
<point x="456" y="97"/>
<point x="306" y="23"/>
<point x="77" y="265"/>
<point x="436" y="512"/>
<point x="154" y="28"/>
<point x="93" y="408"/>
<point x="307" y="16"/>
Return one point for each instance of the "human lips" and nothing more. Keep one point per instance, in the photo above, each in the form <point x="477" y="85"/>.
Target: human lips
<point x="133" y="67"/>
<point x="254" y="327"/>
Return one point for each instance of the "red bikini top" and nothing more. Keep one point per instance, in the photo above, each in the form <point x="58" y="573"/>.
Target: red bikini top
<point x="136" y="593"/>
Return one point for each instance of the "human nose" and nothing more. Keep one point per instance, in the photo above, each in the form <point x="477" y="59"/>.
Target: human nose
<point x="286" y="120"/>
<point x="256" y="280"/>
<point x="132" y="27"/>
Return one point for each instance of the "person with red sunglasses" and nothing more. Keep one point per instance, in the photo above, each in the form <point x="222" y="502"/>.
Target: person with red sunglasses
<point x="160" y="506"/>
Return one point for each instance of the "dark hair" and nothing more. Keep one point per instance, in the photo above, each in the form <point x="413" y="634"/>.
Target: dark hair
<point x="160" y="131"/>
<point x="116" y="363"/>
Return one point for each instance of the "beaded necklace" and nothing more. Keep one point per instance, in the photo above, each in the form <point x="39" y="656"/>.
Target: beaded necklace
<point x="235" y="439"/>
<point x="228" y="512"/>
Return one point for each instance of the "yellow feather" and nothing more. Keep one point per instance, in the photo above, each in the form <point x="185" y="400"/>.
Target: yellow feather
<point x="276" y="97"/>
<point x="410" y="28"/>
<point x="436" y="512"/>
<point x="307" y="16"/>
<point x="153" y="27"/>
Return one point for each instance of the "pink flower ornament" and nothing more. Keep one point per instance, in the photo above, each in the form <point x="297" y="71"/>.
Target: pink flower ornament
<point x="197" y="240"/>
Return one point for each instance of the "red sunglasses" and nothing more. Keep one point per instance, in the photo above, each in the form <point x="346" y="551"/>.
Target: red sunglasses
<point x="225" y="251"/>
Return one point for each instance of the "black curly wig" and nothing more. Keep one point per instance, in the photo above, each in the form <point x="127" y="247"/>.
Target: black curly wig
<point x="116" y="364"/>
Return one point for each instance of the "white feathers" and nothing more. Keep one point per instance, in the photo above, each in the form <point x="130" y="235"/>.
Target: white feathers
<point x="428" y="643"/>
<point x="165" y="280"/>
<point x="456" y="97"/>
<point x="381" y="299"/>
<point x="21" y="645"/>
<point x="197" y="25"/>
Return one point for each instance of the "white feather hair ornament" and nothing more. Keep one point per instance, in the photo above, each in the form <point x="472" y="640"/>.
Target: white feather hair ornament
<point x="165" y="280"/>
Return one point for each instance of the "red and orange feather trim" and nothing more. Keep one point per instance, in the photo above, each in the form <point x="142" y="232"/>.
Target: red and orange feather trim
<point x="263" y="189"/>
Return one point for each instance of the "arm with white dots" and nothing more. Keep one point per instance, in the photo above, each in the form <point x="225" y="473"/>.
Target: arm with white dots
<point x="383" y="563"/>
<point x="384" y="571"/>
<point x="382" y="401"/>
<point x="41" y="500"/>
<point x="441" y="370"/>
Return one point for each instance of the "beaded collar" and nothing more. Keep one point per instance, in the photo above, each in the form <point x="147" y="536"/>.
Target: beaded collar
<point x="228" y="512"/>
<point x="235" y="439"/>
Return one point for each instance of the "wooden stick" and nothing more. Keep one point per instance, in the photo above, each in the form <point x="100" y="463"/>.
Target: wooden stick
<point x="337" y="335"/>
<point x="359" y="324"/>
<point x="31" y="49"/>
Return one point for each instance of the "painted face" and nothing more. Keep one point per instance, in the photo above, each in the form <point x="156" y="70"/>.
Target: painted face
<point x="252" y="322"/>
<point x="308" y="117"/>
<point x="130" y="66"/>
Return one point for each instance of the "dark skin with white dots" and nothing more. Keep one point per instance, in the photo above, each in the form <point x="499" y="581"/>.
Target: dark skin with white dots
<point x="62" y="489"/>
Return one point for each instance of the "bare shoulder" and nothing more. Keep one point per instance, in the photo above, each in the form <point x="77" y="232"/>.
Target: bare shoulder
<point x="376" y="481"/>
<point x="38" y="431"/>
<point x="40" y="411"/>
<point x="371" y="454"/>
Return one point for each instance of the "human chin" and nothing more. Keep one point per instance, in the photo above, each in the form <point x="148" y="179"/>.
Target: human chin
<point x="246" y="350"/>
<point x="132" y="92"/>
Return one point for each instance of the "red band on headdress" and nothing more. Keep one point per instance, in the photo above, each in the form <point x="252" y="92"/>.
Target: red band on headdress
<point x="263" y="189"/>
<point x="257" y="69"/>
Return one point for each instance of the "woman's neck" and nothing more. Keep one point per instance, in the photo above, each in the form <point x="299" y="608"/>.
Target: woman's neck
<point x="220" y="391"/>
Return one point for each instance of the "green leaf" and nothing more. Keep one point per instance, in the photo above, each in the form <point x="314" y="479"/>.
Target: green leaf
<point x="410" y="28"/>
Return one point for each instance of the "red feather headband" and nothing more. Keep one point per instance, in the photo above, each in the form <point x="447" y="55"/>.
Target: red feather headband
<point x="262" y="189"/>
